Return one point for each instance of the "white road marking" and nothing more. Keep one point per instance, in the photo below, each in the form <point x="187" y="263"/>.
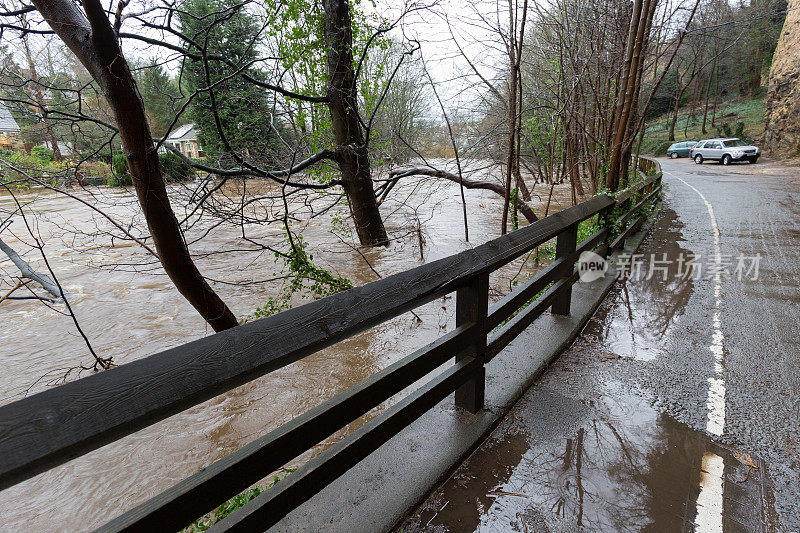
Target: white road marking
<point x="709" y="501"/>
<point x="716" y="385"/>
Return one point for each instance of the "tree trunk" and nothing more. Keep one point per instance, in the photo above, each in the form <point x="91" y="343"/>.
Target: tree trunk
<point x="708" y="95"/>
<point x="95" y="44"/>
<point x="673" y="122"/>
<point x="351" y="148"/>
<point x="636" y="38"/>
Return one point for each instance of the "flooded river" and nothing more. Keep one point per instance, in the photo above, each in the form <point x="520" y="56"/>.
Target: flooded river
<point x="129" y="309"/>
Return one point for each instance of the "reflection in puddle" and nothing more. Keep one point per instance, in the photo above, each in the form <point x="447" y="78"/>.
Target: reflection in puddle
<point x="646" y="312"/>
<point x="610" y="463"/>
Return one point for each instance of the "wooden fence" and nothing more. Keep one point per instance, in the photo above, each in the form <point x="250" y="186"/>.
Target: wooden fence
<point x="50" y="428"/>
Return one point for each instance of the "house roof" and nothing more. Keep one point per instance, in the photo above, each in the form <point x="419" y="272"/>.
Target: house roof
<point x="7" y="122"/>
<point x="186" y="132"/>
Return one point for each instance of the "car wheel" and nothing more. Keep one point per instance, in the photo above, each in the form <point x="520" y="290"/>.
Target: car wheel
<point x="673" y="155"/>
<point x="753" y="160"/>
<point x="698" y="159"/>
<point x="726" y="159"/>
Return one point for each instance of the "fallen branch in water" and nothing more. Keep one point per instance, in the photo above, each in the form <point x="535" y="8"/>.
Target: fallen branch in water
<point x="493" y="186"/>
<point x="23" y="283"/>
<point x="55" y="286"/>
<point x="28" y="272"/>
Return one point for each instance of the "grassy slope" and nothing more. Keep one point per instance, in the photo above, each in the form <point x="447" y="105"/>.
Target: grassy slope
<point x="749" y="112"/>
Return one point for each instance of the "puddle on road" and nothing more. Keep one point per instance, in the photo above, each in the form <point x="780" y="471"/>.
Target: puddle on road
<point x="640" y="317"/>
<point x="610" y="463"/>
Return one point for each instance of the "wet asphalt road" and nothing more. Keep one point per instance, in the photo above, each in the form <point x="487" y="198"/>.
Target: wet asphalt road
<point x="678" y="408"/>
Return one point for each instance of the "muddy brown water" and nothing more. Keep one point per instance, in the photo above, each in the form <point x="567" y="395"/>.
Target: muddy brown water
<point x="129" y="310"/>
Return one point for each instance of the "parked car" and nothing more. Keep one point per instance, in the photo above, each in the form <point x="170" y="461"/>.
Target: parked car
<point x="726" y="151"/>
<point x="681" y="149"/>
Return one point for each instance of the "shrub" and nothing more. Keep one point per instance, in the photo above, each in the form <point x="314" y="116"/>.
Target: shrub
<point x="175" y="168"/>
<point x="119" y="165"/>
<point x="104" y="156"/>
<point x="121" y="177"/>
<point x="661" y="148"/>
<point x="120" y="181"/>
<point x="43" y="153"/>
<point x="739" y="130"/>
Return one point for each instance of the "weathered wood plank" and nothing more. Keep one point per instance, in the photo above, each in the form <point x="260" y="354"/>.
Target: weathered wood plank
<point x="507" y="306"/>
<point x="54" y="426"/>
<point x="271" y="506"/>
<point x="565" y="247"/>
<point x="200" y="493"/>
<point x="627" y="193"/>
<point x="509" y="331"/>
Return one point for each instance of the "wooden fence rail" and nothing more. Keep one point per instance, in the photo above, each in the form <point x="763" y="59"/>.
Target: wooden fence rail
<point x="50" y="428"/>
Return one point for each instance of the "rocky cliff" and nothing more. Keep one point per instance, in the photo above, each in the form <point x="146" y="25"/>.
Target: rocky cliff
<point x="782" y="128"/>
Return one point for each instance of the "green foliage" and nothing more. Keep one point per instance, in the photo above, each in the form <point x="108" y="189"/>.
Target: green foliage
<point x="538" y="138"/>
<point x="174" y="168"/>
<point x="663" y="100"/>
<point x="43" y="153"/>
<point x="736" y="131"/>
<point x="161" y="95"/>
<point x="38" y="161"/>
<point x="661" y="148"/>
<point x="237" y="502"/>
<point x="121" y="177"/>
<point x="120" y="181"/>
<point x="119" y="165"/>
<point x="104" y="156"/>
<point x="242" y="107"/>
<point x="305" y="279"/>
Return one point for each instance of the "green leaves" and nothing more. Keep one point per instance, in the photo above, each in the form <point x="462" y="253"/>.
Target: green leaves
<point x="305" y="279"/>
<point x="237" y="502"/>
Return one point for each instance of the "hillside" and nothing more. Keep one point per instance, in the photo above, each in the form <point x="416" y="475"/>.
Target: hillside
<point x="736" y="118"/>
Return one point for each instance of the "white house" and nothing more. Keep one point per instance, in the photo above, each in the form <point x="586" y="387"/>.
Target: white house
<point x="8" y="127"/>
<point x="184" y="139"/>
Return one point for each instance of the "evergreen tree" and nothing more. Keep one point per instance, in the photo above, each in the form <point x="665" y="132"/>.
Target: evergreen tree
<point x="244" y="109"/>
<point x="162" y="97"/>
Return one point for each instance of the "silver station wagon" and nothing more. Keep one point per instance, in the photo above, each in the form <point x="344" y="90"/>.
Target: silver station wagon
<point x="726" y="151"/>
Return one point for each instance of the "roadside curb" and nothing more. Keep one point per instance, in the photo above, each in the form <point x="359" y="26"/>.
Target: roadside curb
<point x="379" y="492"/>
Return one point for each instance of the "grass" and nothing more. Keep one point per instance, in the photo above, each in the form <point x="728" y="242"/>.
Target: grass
<point x="750" y="113"/>
<point x="237" y="502"/>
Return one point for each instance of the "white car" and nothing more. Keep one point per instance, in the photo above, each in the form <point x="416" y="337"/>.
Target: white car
<point x="726" y="151"/>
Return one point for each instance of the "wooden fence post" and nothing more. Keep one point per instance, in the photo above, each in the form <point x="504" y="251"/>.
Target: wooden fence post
<point x="472" y="305"/>
<point x="565" y="246"/>
<point x="605" y="220"/>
